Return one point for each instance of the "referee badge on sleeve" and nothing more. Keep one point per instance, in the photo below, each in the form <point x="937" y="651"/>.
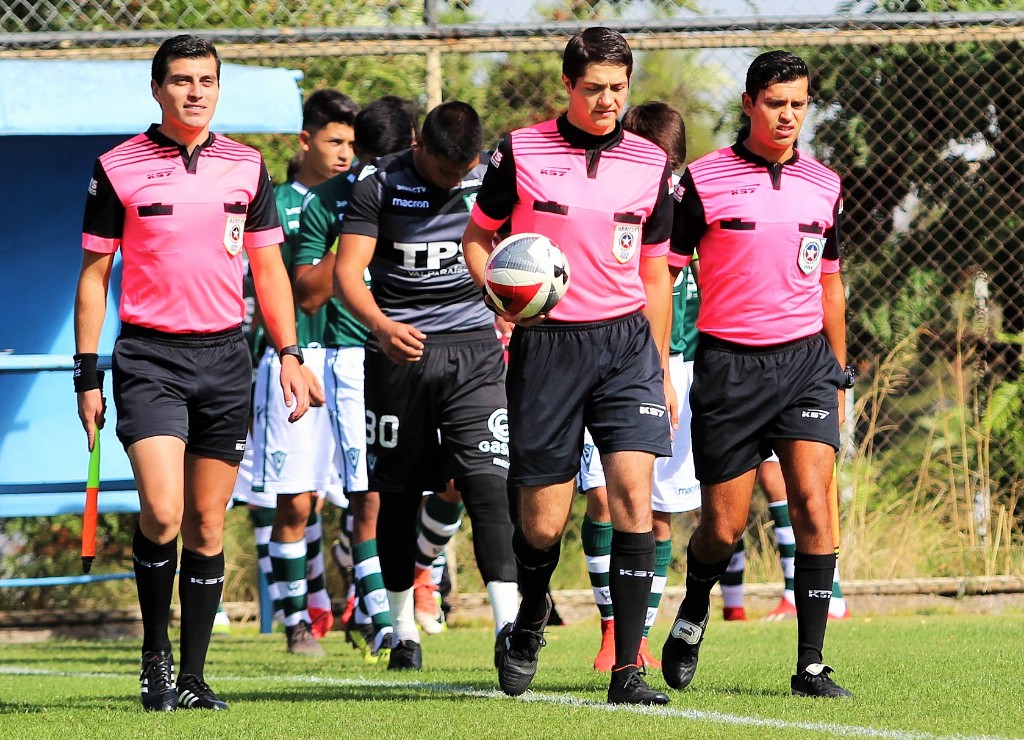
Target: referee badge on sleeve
<point x="809" y="257"/>
<point x="233" y="230"/>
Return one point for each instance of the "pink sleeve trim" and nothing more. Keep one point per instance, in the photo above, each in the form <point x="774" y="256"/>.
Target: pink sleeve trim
<point x="265" y="238"/>
<point x="679" y="260"/>
<point x="829" y="266"/>
<point x="93" y="243"/>
<point x="654" y="250"/>
<point x="484" y="221"/>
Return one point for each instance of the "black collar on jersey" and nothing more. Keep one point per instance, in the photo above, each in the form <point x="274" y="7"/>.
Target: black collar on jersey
<point x="592" y="144"/>
<point x="190" y="160"/>
<point x="774" y="168"/>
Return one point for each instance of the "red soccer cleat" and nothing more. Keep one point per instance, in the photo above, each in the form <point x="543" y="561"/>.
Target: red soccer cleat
<point x="785" y="610"/>
<point x="606" y="655"/>
<point x="322" y="621"/>
<point x="841" y="613"/>
<point x="426" y="604"/>
<point x="647" y="659"/>
<point x="734" y="614"/>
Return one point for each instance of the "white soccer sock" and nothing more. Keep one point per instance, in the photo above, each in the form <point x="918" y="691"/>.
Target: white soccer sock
<point x="504" y="597"/>
<point x="403" y="615"/>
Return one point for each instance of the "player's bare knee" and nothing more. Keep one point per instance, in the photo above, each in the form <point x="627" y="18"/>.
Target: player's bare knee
<point x="715" y="541"/>
<point x="293" y="511"/>
<point x="542" y="535"/>
<point x="160" y="524"/>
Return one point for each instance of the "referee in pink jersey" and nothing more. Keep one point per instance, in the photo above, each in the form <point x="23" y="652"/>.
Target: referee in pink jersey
<point x="769" y="371"/>
<point x="181" y="204"/>
<point x="600" y="358"/>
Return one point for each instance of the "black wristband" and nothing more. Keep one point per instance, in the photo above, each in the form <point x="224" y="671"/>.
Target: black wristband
<point x="86" y="375"/>
<point x="293" y="350"/>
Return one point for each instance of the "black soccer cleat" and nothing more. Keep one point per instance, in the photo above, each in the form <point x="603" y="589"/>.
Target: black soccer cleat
<point x="679" y="654"/>
<point x="517" y="662"/>
<point x="406" y="655"/>
<point x="195" y="693"/>
<point x="815" y="680"/>
<point x="156" y="682"/>
<point x="628" y="687"/>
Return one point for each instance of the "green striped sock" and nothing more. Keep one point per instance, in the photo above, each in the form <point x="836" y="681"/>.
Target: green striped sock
<point x="662" y="559"/>
<point x="316" y="579"/>
<point x="370" y="584"/>
<point x="786" y="541"/>
<point x="439" y="521"/>
<point x="289" y="562"/>
<point x="262" y="524"/>
<point x="732" y="579"/>
<point x="597" y="546"/>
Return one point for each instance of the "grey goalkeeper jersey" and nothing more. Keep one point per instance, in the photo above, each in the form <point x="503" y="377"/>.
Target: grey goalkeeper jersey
<point x="418" y="275"/>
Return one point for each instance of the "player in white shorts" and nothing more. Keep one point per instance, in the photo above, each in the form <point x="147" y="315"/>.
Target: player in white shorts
<point x="294" y="467"/>
<point x="294" y="461"/>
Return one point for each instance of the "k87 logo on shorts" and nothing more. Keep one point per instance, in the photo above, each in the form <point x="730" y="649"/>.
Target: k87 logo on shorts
<point x="814" y="414"/>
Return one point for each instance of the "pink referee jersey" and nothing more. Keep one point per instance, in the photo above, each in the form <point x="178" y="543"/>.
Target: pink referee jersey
<point x="181" y="223"/>
<point x="596" y="212"/>
<point x="765" y="233"/>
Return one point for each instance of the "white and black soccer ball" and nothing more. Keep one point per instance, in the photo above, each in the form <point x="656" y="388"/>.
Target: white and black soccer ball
<point x="526" y="274"/>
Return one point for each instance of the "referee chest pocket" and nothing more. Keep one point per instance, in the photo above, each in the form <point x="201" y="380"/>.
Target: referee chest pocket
<point x="155" y="209"/>
<point x="151" y="227"/>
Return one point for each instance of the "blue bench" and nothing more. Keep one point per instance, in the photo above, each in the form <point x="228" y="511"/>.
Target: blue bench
<point x="53" y="499"/>
<point x="35" y="498"/>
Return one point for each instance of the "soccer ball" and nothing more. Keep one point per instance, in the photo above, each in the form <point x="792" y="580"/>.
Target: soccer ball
<point x="526" y="275"/>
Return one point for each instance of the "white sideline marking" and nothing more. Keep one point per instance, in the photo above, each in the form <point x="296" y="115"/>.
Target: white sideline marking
<point x="561" y="699"/>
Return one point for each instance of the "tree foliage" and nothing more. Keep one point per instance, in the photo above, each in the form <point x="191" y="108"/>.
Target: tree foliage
<point x="934" y="130"/>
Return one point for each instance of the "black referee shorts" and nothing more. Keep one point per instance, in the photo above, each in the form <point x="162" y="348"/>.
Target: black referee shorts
<point x="605" y="375"/>
<point x="195" y="387"/>
<point x="744" y="398"/>
<point x="440" y="418"/>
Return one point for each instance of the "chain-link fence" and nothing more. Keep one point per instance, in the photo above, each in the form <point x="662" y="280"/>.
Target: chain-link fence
<point x="918" y="105"/>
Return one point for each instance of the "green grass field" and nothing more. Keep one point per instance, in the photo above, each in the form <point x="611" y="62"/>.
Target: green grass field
<point x="913" y="676"/>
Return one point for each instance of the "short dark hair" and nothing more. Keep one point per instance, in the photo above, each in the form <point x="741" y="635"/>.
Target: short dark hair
<point x="328" y="106"/>
<point x="293" y="167"/>
<point x="659" y="123"/>
<point x="383" y="127"/>
<point x="185" y="46"/>
<point x="596" y="45"/>
<point x="773" y="67"/>
<point x="453" y="130"/>
<point x="411" y="109"/>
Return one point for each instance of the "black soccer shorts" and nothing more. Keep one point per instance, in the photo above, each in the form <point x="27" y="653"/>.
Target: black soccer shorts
<point x="439" y="418"/>
<point x="562" y="376"/>
<point x="743" y="398"/>
<point x="195" y="387"/>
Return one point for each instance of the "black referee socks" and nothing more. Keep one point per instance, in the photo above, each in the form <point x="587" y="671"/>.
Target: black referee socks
<point x="200" y="586"/>
<point x="155" y="566"/>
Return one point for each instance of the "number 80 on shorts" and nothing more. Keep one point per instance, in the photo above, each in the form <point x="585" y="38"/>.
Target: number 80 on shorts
<point x="384" y="432"/>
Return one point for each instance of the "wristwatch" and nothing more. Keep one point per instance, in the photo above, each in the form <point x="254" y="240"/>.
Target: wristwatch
<point x="851" y="376"/>
<point x="293" y="350"/>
